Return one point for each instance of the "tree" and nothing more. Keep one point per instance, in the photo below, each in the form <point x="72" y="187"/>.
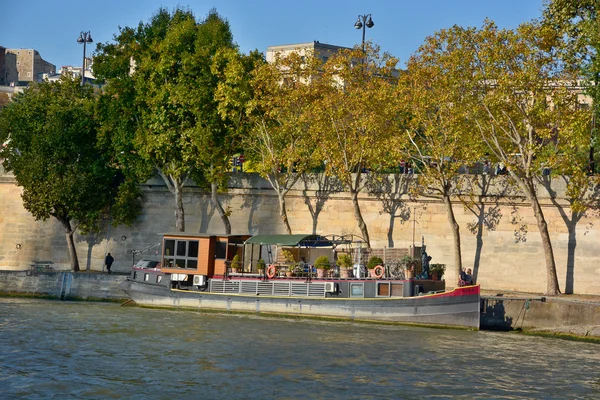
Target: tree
<point x="528" y="115"/>
<point x="437" y="93"/>
<point x="159" y="76"/>
<point x="278" y="140"/>
<point x="51" y="131"/>
<point x="355" y="118"/>
<point x="232" y="71"/>
<point x="576" y="21"/>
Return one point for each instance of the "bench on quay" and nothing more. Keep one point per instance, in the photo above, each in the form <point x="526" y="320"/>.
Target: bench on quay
<point x="41" y="266"/>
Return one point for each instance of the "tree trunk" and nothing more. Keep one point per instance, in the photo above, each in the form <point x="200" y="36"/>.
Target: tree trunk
<point x="456" y="233"/>
<point x="552" y="287"/>
<point x="359" y="218"/>
<point x="70" y="244"/>
<point x="175" y="186"/>
<point x="179" y="212"/>
<point x="283" y="212"/>
<point x="214" y="199"/>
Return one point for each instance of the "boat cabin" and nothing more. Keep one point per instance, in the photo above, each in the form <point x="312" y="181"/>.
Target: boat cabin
<point x="199" y="254"/>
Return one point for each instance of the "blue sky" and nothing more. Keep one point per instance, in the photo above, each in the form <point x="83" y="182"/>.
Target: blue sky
<point x="52" y="27"/>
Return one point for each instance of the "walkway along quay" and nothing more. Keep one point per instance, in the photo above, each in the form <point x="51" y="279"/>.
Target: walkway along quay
<point x="569" y="315"/>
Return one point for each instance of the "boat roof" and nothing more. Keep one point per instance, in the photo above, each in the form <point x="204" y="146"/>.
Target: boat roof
<point x="302" y="240"/>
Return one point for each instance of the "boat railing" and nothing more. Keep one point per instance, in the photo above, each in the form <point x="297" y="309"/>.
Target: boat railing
<point x="268" y="288"/>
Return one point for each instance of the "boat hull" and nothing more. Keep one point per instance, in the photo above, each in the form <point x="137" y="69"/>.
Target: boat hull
<point x="459" y="308"/>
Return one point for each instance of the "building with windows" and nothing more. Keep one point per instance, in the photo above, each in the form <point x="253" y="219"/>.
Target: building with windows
<point x="321" y="50"/>
<point x="22" y="65"/>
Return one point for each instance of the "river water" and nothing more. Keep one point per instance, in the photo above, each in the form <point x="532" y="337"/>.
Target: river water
<point x="75" y="350"/>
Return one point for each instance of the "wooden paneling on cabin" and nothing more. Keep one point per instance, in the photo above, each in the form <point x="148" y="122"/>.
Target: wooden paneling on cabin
<point x="199" y="254"/>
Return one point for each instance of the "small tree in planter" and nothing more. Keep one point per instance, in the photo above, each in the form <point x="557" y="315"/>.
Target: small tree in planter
<point x="261" y="265"/>
<point x="372" y="263"/>
<point x="322" y="265"/>
<point x="236" y="265"/>
<point x="344" y="261"/>
<point x="437" y="271"/>
<point x="408" y="264"/>
<point x="290" y="262"/>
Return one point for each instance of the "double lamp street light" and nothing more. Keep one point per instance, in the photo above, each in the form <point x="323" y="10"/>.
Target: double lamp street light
<point x="364" y="21"/>
<point x="86" y="37"/>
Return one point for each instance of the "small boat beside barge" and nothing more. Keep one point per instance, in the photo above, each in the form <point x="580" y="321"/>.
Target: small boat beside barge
<point x="195" y="273"/>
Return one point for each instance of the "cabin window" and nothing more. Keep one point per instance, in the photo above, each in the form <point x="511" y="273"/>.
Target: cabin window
<point x="181" y="253"/>
<point x="193" y="248"/>
<point x="221" y="249"/>
<point x="169" y="247"/>
<point x="357" y="290"/>
<point x="181" y="248"/>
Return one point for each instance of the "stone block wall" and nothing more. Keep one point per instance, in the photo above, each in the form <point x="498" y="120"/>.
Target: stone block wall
<point x="505" y="251"/>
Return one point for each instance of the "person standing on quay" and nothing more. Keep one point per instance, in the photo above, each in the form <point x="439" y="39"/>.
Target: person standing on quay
<point x="108" y="261"/>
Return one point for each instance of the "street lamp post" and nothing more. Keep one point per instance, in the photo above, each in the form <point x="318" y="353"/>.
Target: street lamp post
<point x="86" y="37"/>
<point x="364" y="21"/>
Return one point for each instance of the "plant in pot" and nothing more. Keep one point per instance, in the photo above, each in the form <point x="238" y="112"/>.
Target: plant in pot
<point x="409" y="266"/>
<point x="322" y="265"/>
<point x="344" y="261"/>
<point x="290" y="261"/>
<point x="437" y="271"/>
<point x="372" y="263"/>
<point x="236" y="265"/>
<point x="261" y="265"/>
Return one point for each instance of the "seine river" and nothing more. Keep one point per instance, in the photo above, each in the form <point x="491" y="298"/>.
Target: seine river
<point x="72" y="350"/>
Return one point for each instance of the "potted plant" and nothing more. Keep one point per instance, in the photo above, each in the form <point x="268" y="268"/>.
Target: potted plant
<point x="290" y="262"/>
<point x="344" y="261"/>
<point x="322" y="265"/>
<point x="437" y="271"/>
<point x="261" y="265"/>
<point x="236" y="265"/>
<point x="373" y="262"/>
<point x="409" y="266"/>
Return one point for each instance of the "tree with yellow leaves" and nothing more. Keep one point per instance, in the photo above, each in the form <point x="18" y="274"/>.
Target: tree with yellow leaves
<point x="355" y="118"/>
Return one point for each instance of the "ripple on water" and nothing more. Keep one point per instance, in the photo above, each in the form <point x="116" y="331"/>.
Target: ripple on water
<point x="102" y="351"/>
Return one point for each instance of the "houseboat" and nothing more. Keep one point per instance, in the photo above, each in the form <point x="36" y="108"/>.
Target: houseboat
<point x="223" y="272"/>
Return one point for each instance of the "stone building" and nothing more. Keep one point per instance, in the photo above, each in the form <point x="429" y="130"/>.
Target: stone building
<point x="321" y="50"/>
<point x="22" y="65"/>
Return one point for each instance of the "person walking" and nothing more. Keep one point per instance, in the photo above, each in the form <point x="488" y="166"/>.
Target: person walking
<point x="108" y="261"/>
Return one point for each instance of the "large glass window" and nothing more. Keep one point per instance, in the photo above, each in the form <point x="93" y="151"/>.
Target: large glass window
<point x="221" y="249"/>
<point x="193" y="248"/>
<point x="181" y="248"/>
<point x="169" y="247"/>
<point x="181" y="253"/>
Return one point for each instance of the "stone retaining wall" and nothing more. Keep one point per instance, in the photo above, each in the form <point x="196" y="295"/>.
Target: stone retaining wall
<point x="499" y="235"/>
<point x="65" y="285"/>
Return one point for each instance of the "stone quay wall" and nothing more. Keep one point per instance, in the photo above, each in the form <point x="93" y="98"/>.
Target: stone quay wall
<point x="64" y="285"/>
<point x="499" y="234"/>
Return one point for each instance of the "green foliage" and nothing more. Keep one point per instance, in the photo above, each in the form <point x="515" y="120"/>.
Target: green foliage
<point x="344" y="260"/>
<point x="374" y="261"/>
<point x="288" y="256"/>
<point x="54" y="156"/>
<point x="236" y="262"/>
<point x="261" y="264"/>
<point x="322" y="262"/>
<point x="406" y="261"/>
<point x="439" y="269"/>
<point x="159" y="109"/>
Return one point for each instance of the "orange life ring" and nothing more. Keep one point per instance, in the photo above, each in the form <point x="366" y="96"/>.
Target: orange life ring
<point x="271" y="269"/>
<point x="378" y="271"/>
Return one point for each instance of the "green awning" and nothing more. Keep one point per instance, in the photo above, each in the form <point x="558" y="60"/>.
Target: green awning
<point x="302" y="240"/>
